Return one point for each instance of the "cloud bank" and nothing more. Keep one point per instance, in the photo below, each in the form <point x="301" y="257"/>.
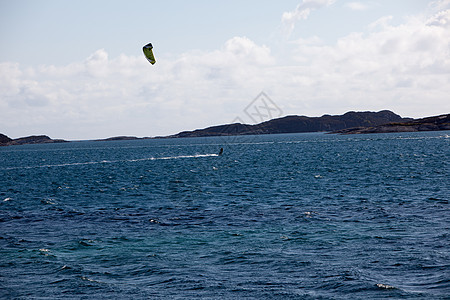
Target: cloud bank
<point x="405" y="68"/>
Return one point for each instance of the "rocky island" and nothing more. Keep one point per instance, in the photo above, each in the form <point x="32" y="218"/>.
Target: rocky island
<point x="436" y="123"/>
<point x="34" y="139"/>
<point x="298" y="124"/>
<point x="121" y="138"/>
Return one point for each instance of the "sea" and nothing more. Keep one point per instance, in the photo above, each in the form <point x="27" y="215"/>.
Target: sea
<point x="289" y="216"/>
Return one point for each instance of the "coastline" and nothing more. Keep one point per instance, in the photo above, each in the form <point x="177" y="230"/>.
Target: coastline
<point x="348" y="123"/>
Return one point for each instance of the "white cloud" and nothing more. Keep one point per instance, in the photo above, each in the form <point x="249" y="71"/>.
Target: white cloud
<point x="381" y="23"/>
<point x="301" y="12"/>
<point x="440" y="5"/>
<point x="441" y="19"/>
<point x="358" y="6"/>
<point x="97" y="63"/>
<point x="244" y="49"/>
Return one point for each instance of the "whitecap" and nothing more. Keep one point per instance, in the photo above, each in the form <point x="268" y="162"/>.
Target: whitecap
<point x="48" y="201"/>
<point x="89" y="279"/>
<point x="45" y="252"/>
<point x="385" y="286"/>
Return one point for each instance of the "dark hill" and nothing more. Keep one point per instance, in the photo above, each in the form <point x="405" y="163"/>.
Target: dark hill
<point x="4" y="139"/>
<point x="34" y="139"/>
<point x="436" y="123"/>
<point x="297" y="124"/>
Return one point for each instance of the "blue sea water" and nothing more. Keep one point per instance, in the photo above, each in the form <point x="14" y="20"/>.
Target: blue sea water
<point x="299" y="216"/>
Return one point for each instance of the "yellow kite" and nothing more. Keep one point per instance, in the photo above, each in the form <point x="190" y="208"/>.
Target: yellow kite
<point x="149" y="53"/>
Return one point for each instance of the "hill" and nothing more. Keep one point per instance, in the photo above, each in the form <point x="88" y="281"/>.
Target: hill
<point x="436" y="123"/>
<point x="34" y="139"/>
<point x="298" y="124"/>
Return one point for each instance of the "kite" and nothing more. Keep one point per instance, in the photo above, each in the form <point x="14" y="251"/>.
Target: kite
<point x="149" y="53"/>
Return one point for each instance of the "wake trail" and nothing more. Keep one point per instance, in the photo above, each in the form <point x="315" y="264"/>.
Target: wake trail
<point x="113" y="161"/>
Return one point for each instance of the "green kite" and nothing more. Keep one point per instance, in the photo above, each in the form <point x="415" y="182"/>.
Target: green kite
<point x="149" y="53"/>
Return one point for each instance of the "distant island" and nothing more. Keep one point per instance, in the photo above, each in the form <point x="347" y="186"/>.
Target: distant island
<point x="299" y="124"/>
<point x="383" y="121"/>
<point x="34" y="139"/>
<point x="436" y="123"/>
<point x="121" y="138"/>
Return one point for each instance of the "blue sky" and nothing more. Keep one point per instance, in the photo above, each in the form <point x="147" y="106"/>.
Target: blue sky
<point x="75" y="69"/>
<point x="61" y="31"/>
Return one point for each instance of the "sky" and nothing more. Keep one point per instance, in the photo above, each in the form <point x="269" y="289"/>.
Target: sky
<point x="75" y="69"/>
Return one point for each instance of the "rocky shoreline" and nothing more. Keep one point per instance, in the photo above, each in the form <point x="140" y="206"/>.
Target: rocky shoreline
<point x="436" y="123"/>
<point x="349" y="123"/>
